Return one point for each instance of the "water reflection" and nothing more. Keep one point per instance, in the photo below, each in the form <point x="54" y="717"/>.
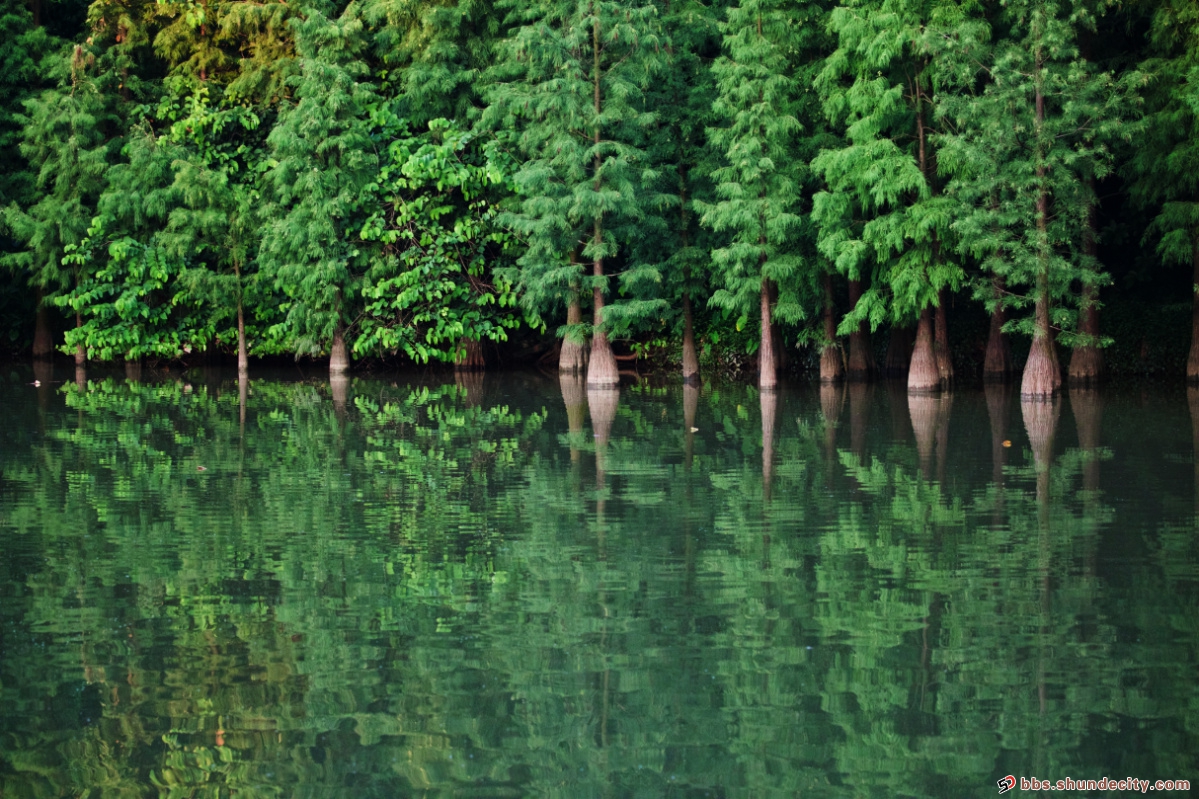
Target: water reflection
<point x="421" y="588"/>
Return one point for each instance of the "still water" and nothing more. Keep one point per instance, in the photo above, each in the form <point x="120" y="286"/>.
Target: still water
<point x="508" y="586"/>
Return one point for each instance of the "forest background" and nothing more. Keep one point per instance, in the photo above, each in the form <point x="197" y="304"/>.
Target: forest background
<point x="929" y="188"/>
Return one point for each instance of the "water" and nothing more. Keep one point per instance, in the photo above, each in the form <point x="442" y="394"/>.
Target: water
<point x="511" y="587"/>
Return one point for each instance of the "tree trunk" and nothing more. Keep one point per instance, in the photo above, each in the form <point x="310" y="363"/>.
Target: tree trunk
<point x="1042" y="374"/>
<point x="767" y="368"/>
<point x="861" y="356"/>
<point x="923" y="374"/>
<point x="243" y="355"/>
<point x="690" y="358"/>
<point x="470" y="355"/>
<point x="339" y="356"/>
<point x="572" y="358"/>
<point x="899" y="352"/>
<point x="43" y="341"/>
<point x="80" y="354"/>
<point x="997" y="366"/>
<point x="133" y="370"/>
<point x="601" y="369"/>
<point x="831" y="367"/>
<point x="941" y="342"/>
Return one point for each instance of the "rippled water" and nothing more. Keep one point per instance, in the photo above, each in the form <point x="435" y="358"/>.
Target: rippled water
<point x="509" y="586"/>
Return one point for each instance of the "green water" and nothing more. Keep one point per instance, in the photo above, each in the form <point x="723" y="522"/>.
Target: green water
<point x="511" y="587"/>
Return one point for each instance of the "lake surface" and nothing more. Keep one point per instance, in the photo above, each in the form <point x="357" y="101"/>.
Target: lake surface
<point x="508" y="586"/>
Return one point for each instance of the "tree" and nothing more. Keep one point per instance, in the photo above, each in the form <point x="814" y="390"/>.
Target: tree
<point x="216" y="224"/>
<point x="439" y="289"/>
<point x="884" y="211"/>
<point x="1024" y="154"/>
<point x="1164" y="168"/>
<point x="68" y="142"/>
<point x="570" y="86"/>
<point x="759" y="185"/>
<point x="323" y="161"/>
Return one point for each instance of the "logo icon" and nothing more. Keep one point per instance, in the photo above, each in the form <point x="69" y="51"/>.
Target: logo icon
<point x="1006" y="783"/>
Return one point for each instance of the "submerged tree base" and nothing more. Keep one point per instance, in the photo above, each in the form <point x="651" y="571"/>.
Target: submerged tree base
<point x="1042" y="376"/>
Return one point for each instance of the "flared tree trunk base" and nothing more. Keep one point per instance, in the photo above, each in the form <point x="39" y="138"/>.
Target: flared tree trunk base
<point x="339" y="356"/>
<point x="831" y="368"/>
<point x="923" y="374"/>
<point x="470" y="356"/>
<point x="602" y="371"/>
<point x="1042" y="378"/>
<point x="861" y="360"/>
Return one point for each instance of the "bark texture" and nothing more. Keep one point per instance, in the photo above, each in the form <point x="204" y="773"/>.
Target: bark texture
<point x="1042" y="377"/>
<point x="941" y="341"/>
<point x="339" y="355"/>
<point x="572" y="357"/>
<point x="602" y="371"/>
<point x="767" y="367"/>
<point x="470" y="356"/>
<point x="690" y="358"/>
<point x="997" y="365"/>
<point x="80" y="355"/>
<point x="923" y="374"/>
<point x="831" y="368"/>
<point x="243" y="354"/>
<point x="861" y="364"/>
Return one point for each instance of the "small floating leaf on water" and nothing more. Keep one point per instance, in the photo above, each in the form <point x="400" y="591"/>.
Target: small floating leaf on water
<point x="201" y="468"/>
<point x="1007" y="443"/>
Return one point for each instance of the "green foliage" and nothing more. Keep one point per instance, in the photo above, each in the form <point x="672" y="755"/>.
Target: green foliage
<point x="440" y="278"/>
<point x="322" y="160"/>
<point x="883" y="217"/>
<point x="66" y="142"/>
<point x="570" y="87"/>
<point x="759" y="185"/>
<point x="1024" y="155"/>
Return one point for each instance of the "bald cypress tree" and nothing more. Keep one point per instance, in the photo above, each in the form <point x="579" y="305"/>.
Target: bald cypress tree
<point x="884" y="215"/>
<point x="68" y="140"/>
<point x="759" y="184"/>
<point x="569" y="86"/>
<point x="1025" y="153"/>
<point x="324" y="159"/>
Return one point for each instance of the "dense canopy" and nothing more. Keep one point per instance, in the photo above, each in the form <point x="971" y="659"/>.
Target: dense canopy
<point x="446" y="180"/>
